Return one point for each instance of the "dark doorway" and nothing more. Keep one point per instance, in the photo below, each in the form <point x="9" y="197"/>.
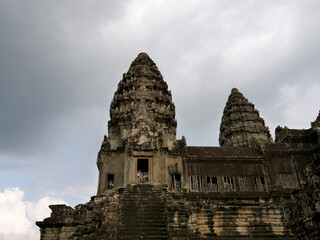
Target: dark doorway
<point x="176" y="181"/>
<point x="214" y="184"/>
<point x="143" y="170"/>
<point x="214" y="180"/>
<point x="263" y="184"/>
<point x="143" y="165"/>
<point x="110" y="181"/>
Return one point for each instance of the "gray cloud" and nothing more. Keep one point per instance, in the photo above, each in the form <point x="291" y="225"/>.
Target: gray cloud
<point x="61" y="62"/>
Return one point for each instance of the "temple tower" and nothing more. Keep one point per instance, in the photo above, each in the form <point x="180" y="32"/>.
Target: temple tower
<point x="241" y="125"/>
<point x="166" y="189"/>
<point x="142" y="127"/>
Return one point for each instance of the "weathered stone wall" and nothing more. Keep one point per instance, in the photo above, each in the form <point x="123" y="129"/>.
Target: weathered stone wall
<point x="225" y="216"/>
<point x="153" y="212"/>
<point x="302" y="214"/>
<point x="111" y="163"/>
<point x="97" y="219"/>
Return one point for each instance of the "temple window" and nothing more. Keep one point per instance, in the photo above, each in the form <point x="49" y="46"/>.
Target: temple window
<point x="176" y="181"/>
<point x="259" y="184"/>
<point x="199" y="181"/>
<point x="143" y="170"/>
<point x="212" y="184"/>
<point x="263" y="184"/>
<point x="196" y="183"/>
<point x="191" y="184"/>
<point x="110" y="181"/>
<point x="228" y="184"/>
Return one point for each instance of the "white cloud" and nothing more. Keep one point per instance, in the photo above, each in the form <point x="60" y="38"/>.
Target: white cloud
<point x="62" y="61"/>
<point x="18" y="217"/>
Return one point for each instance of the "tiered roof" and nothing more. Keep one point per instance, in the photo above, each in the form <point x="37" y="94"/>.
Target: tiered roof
<point x="241" y="125"/>
<point x="142" y="110"/>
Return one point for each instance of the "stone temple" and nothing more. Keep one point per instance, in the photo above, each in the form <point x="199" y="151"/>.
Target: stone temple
<point x="154" y="186"/>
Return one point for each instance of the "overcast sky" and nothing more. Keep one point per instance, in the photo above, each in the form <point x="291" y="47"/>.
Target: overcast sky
<point x="61" y="61"/>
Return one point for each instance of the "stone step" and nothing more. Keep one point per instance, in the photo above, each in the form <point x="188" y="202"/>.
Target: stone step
<point x="249" y="227"/>
<point x="256" y="214"/>
<point x="244" y="217"/>
<point x="141" y="203"/>
<point x="252" y="237"/>
<point x="141" y="194"/>
<point x="144" y="202"/>
<point x="142" y="213"/>
<point x="173" y="225"/>
<point x="131" y="193"/>
<point x="144" y="222"/>
<point x="248" y="210"/>
<point x="144" y="231"/>
<point x="141" y="199"/>
<point x="138" y="195"/>
<point x="223" y="232"/>
<point x="142" y="208"/>
<point x="134" y="218"/>
<point x="142" y="191"/>
<point x="149" y="212"/>
<point x="239" y="220"/>
<point x="145" y="215"/>
<point x="135" y="237"/>
<point x="249" y="216"/>
<point x="274" y="227"/>
<point x="159" y="217"/>
<point x="143" y="236"/>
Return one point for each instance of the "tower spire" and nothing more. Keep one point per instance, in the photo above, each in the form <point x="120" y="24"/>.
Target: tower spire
<point x="142" y="112"/>
<point x="241" y="125"/>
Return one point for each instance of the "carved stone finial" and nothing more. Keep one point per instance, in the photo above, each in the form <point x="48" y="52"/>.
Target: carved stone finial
<point x="234" y="90"/>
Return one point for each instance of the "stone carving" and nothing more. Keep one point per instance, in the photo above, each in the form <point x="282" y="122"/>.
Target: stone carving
<point x="142" y="111"/>
<point x="241" y="124"/>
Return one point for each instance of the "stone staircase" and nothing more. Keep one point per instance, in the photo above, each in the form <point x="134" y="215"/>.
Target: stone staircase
<point x="147" y="212"/>
<point x="142" y="213"/>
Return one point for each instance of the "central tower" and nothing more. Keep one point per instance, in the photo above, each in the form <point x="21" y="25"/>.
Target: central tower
<point x="141" y="129"/>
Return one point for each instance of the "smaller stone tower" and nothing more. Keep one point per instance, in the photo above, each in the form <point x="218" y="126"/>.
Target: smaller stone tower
<point x="241" y="125"/>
